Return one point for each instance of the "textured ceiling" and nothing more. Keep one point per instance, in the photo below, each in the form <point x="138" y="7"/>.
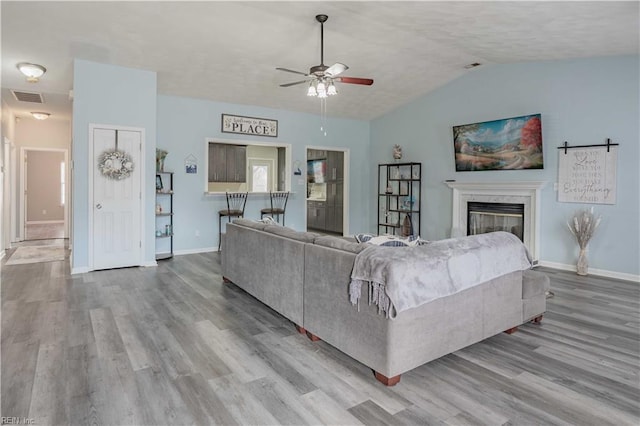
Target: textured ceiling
<point x="228" y="51"/>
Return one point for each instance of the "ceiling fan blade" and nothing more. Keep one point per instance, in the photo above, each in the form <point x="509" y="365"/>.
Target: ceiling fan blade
<point x="294" y="83"/>
<point x="292" y="71"/>
<point x="335" y="69"/>
<point x="355" y="80"/>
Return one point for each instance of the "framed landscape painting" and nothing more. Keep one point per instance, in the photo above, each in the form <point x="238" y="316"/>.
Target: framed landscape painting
<point x="507" y="144"/>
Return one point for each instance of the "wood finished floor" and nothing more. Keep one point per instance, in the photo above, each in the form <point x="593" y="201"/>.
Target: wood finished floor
<point x="173" y="345"/>
<point x="44" y="231"/>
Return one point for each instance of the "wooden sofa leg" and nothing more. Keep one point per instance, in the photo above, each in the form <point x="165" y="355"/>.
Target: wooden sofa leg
<point x="537" y="320"/>
<point x="226" y="280"/>
<point x="511" y="330"/>
<point x="300" y="330"/>
<point x="312" y="336"/>
<point x="387" y="381"/>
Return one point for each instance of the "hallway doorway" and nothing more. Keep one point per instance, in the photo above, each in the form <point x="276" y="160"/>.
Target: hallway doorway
<point x="44" y="192"/>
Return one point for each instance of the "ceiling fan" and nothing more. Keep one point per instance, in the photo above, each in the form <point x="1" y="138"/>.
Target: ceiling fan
<point x="321" y="78"/>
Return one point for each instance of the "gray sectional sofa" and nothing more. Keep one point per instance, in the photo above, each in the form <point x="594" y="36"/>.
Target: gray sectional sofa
<point x="305" y="277"/>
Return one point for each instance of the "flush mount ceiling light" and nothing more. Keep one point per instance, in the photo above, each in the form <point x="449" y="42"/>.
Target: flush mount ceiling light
<point x="33" y="72"/>
<point x="40" y="115"/>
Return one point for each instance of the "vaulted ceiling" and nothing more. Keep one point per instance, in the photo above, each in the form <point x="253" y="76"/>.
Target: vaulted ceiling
<point x="228" y="51"/>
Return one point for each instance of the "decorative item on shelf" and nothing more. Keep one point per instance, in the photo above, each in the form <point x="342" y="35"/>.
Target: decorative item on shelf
<point x="582" y="226"/>
<point x="397" y="152"/>
<point x="159" y="185"/>
<point x="408" y="203"/>
<point x="116" y="165"/>
<point x="389" y="190"/>
<point x="407" y="227"/>
<point x="158" y="233"/>
<point x="158" y="208"/>
<point x="161" y="154"/>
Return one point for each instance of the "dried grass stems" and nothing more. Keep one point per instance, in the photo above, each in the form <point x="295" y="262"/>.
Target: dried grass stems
<point x="583" y="225"/>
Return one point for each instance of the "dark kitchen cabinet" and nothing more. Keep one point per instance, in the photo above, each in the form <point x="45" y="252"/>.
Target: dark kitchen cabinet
<point x="227" y="163"/>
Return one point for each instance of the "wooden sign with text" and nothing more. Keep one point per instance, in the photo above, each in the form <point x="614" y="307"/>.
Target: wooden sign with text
<point x="249" y="125"/>
<point x="588" y="175"/>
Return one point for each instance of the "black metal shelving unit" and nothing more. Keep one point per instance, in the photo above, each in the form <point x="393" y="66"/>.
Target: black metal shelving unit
<point x="399" y="198"/>
<point x="164" y="218"/>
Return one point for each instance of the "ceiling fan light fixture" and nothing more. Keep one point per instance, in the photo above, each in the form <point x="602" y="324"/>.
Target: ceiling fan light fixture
<point x="312" y="90"/>
<point x="40" y="115"/>
<point x="33" y="72"/>
<point x="331" y="90"/>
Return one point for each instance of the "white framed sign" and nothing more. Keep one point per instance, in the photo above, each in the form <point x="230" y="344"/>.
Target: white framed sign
<point x="249" y="125"/>
<point x="588" y="175"/>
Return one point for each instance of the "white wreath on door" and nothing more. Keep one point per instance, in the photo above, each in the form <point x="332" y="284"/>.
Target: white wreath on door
<point x="116" y="165"/>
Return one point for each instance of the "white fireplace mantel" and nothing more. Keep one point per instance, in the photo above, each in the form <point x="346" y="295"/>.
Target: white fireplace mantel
<point x="521" y="192"/>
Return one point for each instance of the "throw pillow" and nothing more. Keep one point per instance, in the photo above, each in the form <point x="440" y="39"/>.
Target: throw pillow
<point x="393" y="241"/>
<point x="268" y="220"/>
<point x="363" y="238"/>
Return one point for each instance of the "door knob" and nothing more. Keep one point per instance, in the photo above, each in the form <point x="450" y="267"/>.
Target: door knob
<point x="98" y="206"/>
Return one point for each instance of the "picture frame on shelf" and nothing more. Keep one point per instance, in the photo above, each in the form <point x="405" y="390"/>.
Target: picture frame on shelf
<point x="159" y="186"/>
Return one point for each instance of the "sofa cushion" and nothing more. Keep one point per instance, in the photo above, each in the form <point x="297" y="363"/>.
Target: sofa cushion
<point x="250" y="223"/>
<point x="283" y="231"/>
<point x="339" y="244"/>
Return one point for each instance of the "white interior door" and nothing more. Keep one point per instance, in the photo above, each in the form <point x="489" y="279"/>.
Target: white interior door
<point x="117" y="204"/>
<point x="260" y="175"/>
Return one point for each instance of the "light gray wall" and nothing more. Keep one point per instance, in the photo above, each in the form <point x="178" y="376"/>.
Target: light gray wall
<point x="43" y="186"/>
<point x="581" y="101"/>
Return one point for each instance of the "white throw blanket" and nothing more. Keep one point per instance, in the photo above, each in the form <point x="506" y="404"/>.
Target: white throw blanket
<point x="400" y="278"/>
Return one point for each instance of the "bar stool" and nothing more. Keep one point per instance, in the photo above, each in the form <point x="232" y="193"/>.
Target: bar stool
<point x="278" y="205"/>
<point x="235" y="208"/>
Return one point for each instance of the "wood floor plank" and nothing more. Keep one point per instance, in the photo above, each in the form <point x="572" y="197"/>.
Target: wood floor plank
<point x="161" y="402"/>
<point x="202" y="402"/>
<point x="108" y="340"/>
<point x="17" y="382"/>
<point x="241" y="404"/>
<point x="369" y="413"/>
<point x="328" y="410"/>
<point x="235" y="353"/>
<point x="49" y="386"/>
<point x="282" y="401"/>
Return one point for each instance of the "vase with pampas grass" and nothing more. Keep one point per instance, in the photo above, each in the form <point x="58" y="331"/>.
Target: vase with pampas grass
<point x="582" y="225"/>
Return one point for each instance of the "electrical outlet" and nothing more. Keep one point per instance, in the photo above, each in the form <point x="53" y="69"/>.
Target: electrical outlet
<point x="197" y="233"/>
<point x="555" y="186"/>
<point x="44" y="211"/>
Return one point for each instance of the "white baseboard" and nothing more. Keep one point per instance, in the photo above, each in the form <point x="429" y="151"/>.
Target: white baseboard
<point x="43" y="222"/>
<point x="194" y="251"/>
<point x="2" y="253"/>
<point x="149" y="263"/>
<point x="592" y="271"/>
<point x="80" y="270"/>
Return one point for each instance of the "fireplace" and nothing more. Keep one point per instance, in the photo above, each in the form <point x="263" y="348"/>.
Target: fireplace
<point x="524" y="194"/>
<point x="492" y="217"/>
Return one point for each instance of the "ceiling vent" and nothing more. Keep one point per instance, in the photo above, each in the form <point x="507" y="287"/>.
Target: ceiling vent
<point x="32" y="97"/>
